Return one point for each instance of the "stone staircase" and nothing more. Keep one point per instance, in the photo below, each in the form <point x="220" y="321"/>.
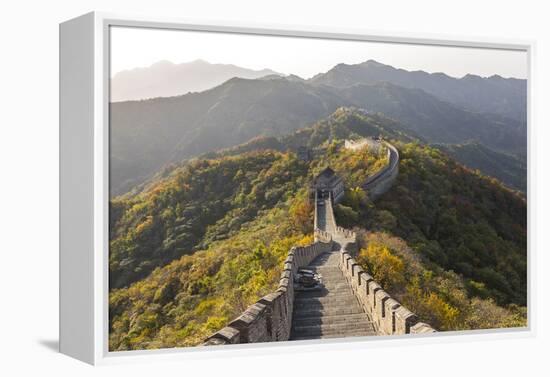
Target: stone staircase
<point x="333" y="311"/>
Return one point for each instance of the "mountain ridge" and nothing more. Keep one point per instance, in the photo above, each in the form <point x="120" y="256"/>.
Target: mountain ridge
<point x="167" y="79"/>
<point x="494" y="94"/>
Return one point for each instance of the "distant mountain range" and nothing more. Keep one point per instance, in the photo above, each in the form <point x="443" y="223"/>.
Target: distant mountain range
<point x="166" y="79"/>
<point x="495" y="94"/>
<point x="147" y="135"/>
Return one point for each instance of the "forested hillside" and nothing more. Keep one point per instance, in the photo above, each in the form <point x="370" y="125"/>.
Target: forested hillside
<point x="207" y="238"/>
<point x="146" y="135"/>
<point x="200" y="202"/>
<point x="185" y="301"/>
<point x="447" y="242"/>
<point x="510" y="169"/>
<point x="438" y="121"/>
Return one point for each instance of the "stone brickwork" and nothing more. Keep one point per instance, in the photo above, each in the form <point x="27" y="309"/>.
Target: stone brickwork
<point x="322" y="236"/>
<point x="356" y="145"/>
<point x="388" y="315"/>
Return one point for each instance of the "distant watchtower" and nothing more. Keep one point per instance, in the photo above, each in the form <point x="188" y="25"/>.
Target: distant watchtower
<point x="327" y="182"/>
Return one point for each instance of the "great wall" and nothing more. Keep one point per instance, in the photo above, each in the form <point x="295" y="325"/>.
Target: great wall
<point x="349" y="302"/>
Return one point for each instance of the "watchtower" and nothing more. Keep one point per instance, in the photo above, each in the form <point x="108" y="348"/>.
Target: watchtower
<point x="327" y="182"/>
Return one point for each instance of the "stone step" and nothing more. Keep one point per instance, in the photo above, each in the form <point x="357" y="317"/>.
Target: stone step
<point x="337" y="308"/>
<point x="334" y="327"/>
<point x="331" y="286"/>
<point x="328" y="264"/>
<point x="328" y="336"/>
<point x="320" y="312"/>
<point x="324" y="307"/>
<point x="331" y="300"/>
<point x="324" y="297"/>
<point x="335" y="300"/>
<point x="336" y="285"/>
<point x="321" y="295"/>
<point x="332" y="277"/>
<point x="332" y="271"/>
<point x="327" y="291"/>
<point x="328" y="298"/>
<point x="336" y="290"/>
<point x="332" y="310"/>
<point x="310" y="321"/>
<point x="344" y="333"/>
<point x="330" y="281"/>
<point x="324" y="267"/>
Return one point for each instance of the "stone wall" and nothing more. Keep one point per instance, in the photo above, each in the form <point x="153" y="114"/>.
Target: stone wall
<point x="380" y="182"/>
<point x="388" y="315"/>
<point x="315" y="216"/>
<point x="355" y="145"/>
<point x="322" y="236"/>
<point x="345" y="233"/>
<point x="270" y="318"/>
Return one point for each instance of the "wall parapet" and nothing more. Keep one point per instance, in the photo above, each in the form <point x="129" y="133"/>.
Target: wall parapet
<point x="270" y="318"/>
<point x="322" y="236"/>
<point x="380" y="182"/>
<point x="346" y="233"/>
<point x="389" y="317"/>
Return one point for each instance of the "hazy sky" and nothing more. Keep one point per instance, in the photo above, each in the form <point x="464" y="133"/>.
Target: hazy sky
<point x="138" y="47"/>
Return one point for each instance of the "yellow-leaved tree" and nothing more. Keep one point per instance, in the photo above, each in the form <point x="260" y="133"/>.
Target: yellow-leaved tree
<point x="386" y="268"/>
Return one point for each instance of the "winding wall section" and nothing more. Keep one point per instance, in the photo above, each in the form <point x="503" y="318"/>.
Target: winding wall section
<point x="380" y="182"/>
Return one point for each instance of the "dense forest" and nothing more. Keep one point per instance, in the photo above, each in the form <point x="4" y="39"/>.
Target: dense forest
<point x="507" y="168"/>
<point x="206" y="238"/>
<point x="448" y="243"/>
<point x="203" y="201"/>
<point x="185" y="301"/>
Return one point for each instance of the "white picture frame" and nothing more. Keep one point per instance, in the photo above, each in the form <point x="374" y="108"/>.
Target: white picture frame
<point x="84" y="185"/>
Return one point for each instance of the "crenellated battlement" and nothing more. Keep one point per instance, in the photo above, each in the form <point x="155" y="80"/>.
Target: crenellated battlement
<point x="322" y="236"/>
<point x="387" y="314"/>
<point x="346" y="233"/>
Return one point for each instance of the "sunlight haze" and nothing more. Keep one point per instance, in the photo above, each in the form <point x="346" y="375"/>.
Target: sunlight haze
<point x="305" y="57"/>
